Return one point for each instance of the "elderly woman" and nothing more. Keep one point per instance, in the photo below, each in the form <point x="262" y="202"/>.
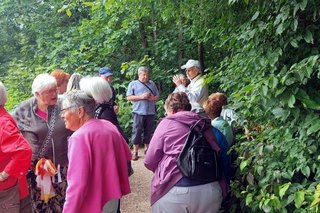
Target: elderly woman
<point x="39" y="121"/>
<point x="213" y="108"/>
<point x="97" y="178"/>
<point x="170" y="191"/>
<point x="101" y="91"/>
<point x="62" y="80"/>
<point x="15" y="158"/>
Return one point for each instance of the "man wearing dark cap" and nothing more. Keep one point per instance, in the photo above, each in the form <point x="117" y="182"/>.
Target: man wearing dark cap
<point x="197" y="90"/>
<point x="106" y="74"/>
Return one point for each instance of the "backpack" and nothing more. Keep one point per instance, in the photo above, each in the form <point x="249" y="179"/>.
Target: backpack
<point x="198" y="160"/>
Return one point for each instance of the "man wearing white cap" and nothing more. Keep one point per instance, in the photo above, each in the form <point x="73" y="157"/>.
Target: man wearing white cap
<point x="197" y="90"/>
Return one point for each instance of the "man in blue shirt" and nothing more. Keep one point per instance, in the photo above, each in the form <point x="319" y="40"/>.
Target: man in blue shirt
<point x="143" y="93"/>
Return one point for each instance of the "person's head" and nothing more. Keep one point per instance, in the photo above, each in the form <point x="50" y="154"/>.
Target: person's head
<point x="77" y="108"/>
<point x="212" y="107"/>
<point x="62" y="80"/>
<point x="177" y="102"/>
<point x="143" y="74"/>
<point x="192" y="68"/>
<point x="98" y="88"/>
<point x="106" y="74"/>
<point x="220" y="97"/>
<point x="3" y="94"/>
<point x="73" y="83"/>
<point x="44" y="88"/>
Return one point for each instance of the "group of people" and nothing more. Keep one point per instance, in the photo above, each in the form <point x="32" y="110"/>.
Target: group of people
<point x="63" y="150"/>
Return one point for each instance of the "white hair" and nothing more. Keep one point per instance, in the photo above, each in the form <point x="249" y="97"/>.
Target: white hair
<point x="97" y="87"/>
<point x="143" y="69"/>
<point x="43" y="82"/>
<point x="3" y="94"/>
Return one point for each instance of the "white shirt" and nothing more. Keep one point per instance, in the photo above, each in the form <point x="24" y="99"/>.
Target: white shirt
<point x="197" y="92"/>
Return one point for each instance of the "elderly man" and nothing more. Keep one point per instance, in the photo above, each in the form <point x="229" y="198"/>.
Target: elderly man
<point x="197" y="90"/>
<point x="106" y="74"/>
<point x="143" y="93"/>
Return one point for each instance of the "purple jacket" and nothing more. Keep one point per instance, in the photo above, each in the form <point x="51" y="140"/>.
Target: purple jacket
<point x="165" y="146"/>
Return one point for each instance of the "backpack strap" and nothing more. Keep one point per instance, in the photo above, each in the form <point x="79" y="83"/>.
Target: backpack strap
<point x="204" y="126"/>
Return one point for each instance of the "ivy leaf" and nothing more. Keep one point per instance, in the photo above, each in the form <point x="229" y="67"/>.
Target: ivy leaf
<point x="299" y="198"/>
<point x="283" y="189"/>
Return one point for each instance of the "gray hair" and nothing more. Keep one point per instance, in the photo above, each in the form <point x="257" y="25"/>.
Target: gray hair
<point x="143" y="69"/>
<point x="97" y="87"/>
<point x="3" y="94"/>
<point x="74" y="82"/>
<point x="78" y="98"/>
<point x="42" y="82"/>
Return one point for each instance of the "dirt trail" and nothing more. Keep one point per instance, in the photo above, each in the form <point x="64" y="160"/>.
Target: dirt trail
<point x="138" y="201"/>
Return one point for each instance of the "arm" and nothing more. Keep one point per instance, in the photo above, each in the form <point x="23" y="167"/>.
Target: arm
<point x="13" y="143"/>
<point x="78" y="174"/>
<point x="155" y="150"/>
<point x="144" y="96"/>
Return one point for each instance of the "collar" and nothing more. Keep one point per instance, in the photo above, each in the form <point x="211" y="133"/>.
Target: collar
<point x="195" y="78"/>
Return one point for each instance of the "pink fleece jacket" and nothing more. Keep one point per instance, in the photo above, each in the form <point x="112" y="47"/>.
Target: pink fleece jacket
<point x="97" y="171"/>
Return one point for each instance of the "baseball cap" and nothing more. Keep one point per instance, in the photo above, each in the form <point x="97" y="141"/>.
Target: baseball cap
<point x="191" y="63"/>
<point x="105" y="71"/>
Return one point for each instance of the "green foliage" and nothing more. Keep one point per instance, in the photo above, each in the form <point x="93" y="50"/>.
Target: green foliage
<point x="263" y="54"/>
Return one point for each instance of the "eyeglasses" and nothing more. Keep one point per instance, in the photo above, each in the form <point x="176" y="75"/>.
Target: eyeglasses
<point x="62" y="111"/>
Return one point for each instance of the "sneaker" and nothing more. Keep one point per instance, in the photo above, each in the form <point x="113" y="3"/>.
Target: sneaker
<point x="135" y="156"/>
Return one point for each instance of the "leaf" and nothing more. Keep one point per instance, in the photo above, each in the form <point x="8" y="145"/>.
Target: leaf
<point x="308" y="37"/>
<point x="278" y="112"/>
<point x="279" y="29"/>
<point x="299" y="198"/>
<point x="250" y="178"/>
<point x="248" y="199"/>
<point x="283" y="189"/>
<point x="69" y="13"/>
<point x="294" y="43"/>
<point x="255" y="16"/>
<point x="291" y="101"/>
<point x="88" y="4"/>
<point x="243" y="164"/>
<point x="305" y="171"/>
<point x="303" y="4"/>
<point x="314" y="128"/>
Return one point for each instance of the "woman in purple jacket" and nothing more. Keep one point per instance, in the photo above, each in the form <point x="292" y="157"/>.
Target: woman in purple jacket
<point x="170" y="191"/>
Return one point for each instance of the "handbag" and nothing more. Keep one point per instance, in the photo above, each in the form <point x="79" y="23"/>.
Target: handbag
<point x="9" y="200"/>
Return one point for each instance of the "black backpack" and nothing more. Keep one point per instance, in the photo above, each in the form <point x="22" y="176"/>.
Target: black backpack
<point x="198" y="160"/>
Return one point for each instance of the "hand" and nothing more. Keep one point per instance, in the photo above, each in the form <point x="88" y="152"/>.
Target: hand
<point x="3" y="176"/>
<point x="176" y="79"/>
<point x="145" y="95"/>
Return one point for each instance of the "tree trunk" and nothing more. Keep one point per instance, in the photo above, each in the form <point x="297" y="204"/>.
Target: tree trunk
<point x="201" y="55"/>
<point x="144" y="37"/>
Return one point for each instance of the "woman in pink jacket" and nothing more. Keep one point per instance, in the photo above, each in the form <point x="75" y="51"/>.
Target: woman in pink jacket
<point x="98" y="154"/>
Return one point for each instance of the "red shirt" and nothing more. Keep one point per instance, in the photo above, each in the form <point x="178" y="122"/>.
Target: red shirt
<point x="15" y="154"/>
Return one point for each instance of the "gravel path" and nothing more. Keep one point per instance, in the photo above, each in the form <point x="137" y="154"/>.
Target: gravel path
<point x="138" y="201"/>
